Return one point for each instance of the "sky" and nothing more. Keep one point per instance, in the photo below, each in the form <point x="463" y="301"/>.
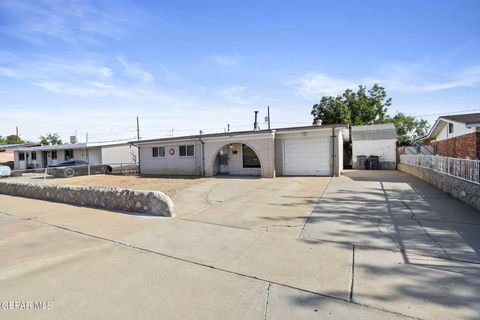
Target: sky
<point x="91" y="67"/>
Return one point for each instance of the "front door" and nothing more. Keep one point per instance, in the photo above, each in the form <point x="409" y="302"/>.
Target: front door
<point x="45" y="158"/>
<point x="223" y="162"/>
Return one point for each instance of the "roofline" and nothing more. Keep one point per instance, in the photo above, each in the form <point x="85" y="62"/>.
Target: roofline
<point x="84" y="145"/>
<point x="239" y="133"/>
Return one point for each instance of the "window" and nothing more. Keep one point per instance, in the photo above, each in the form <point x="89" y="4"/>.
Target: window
<point x="450" y="128"/>
<point x="21" y="156"/>
<point x="68" y="154"/>
<point x="250" y="159"/>
<point x="158" y="152"/>
<point x="186" y="151"/>
<point x="54" y="155"/>
<point x="34" y="156"/>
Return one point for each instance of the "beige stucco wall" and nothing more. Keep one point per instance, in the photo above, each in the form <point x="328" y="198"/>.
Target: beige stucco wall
<point x="119" y="154"/>
<point x="171" y="164"/>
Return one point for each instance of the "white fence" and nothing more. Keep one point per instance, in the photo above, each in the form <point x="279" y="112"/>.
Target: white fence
<point x="460" y="168"/>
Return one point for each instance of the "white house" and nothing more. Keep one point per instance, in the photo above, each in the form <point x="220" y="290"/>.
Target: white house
<point x="106" y="152"/>
<point x="311" y="150"/>
<point x="375" y="140"/>
<point x="456" y="136"/>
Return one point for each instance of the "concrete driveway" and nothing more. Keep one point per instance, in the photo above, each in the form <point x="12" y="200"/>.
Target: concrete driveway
<point x="377" y="245"/>
<point x="279" y="205"/>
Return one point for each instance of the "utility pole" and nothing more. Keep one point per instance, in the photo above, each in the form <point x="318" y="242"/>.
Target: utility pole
<point x="228" y="127"/>
<point x="18" y="138"/>
<point x="138" y="130"/>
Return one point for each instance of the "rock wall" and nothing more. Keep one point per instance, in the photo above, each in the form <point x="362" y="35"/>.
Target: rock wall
<point x="147" y="202"/>
<point x="463" y="190"/>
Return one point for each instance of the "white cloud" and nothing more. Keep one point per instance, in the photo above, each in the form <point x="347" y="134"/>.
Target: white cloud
<point x="225" y="60"/>
<point x="241" y="95"/>
<point x="73" y="22"/>
<point x="135" y="70"/>
<point x="400" y="78"/>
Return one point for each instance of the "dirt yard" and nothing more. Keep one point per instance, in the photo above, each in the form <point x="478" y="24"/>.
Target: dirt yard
<point x="168" y="185"/>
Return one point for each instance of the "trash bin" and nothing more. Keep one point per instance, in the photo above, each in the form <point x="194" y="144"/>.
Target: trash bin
<point x="373" y="163"/>
<point x="361" y="162"/>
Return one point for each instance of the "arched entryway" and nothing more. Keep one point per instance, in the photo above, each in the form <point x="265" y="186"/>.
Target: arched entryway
<point x="237" y="159"/>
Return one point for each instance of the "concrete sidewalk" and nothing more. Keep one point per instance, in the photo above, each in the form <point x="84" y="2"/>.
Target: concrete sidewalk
<point x="95" y="263"/>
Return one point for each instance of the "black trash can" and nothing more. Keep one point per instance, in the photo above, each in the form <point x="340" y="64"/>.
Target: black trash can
<point x="361" y="162"/>
<point x="373" y="163"/>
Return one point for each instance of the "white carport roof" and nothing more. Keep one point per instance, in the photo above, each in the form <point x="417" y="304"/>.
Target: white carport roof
<point x="73" y="146"/>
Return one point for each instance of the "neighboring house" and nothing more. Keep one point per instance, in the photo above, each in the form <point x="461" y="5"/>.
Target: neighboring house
<point x="7" y="154"/>
<point x="456" y="136"/>
<point x="375" y="140"/>
<point x="107" y="152"/>
<point x="312" y="150"/>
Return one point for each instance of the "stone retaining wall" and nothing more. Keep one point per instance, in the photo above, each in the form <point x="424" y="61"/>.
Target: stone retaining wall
<point x="463" y="190"/>
<point x="147" y="202"/>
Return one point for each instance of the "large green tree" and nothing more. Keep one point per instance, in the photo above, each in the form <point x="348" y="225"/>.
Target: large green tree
<point x="354" y="107"/>
<point x="368" y="107"/>
<point x="409" y="129"/>
<point x="50" y="138"/>
<point x="11" y="139"/>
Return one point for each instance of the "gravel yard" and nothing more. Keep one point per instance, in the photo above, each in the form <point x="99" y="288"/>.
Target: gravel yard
<point x="168" y="185"/>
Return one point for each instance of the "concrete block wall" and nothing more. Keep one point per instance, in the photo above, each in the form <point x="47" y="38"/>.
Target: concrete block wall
<point x="278" y="157"/>
<point x="467" y="145"/>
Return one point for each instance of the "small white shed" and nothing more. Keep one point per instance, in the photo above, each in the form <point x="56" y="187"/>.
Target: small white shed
<point x="375" y="140"/>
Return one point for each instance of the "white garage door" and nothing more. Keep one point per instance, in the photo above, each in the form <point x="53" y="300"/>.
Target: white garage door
<point x="307" y="156"/>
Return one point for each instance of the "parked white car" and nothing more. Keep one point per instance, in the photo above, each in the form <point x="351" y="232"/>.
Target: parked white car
<point x="5" y="171"/>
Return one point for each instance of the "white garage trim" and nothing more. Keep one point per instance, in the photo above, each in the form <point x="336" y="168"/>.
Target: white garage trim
<point x="308" y="156"/>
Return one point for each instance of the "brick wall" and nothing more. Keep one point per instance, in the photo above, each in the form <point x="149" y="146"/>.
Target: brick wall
<point x="263" y="146"/>
<point x="467" y="145"/>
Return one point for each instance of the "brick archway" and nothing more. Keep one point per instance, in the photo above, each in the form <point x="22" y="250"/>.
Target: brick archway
<point x="263" y="148"/>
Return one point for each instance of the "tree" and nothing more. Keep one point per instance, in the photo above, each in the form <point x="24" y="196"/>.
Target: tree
<point x="354" y="108"/>
<point x="11" y="139"/>
<point x="409" y="128"/>
<point x="51" y="139"/>
<point x="360" y="108"/>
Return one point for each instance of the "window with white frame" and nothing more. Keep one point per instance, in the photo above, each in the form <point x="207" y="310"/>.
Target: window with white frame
<point x="158" y="152"/>
<point x="54" y="155"/>
<point x="186" y="150"/>
<point x="21" y="156"/>
<point x="34" y="155"/>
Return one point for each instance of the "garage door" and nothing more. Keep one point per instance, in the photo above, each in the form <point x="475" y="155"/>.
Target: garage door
<point x="307" y="156"/>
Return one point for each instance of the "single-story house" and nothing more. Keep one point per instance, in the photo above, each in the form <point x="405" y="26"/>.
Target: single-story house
<point x="310" y="150"/>
<point x="375" y="140"/>
<point x="456" y="136"/>
<point x="106" y="152"/>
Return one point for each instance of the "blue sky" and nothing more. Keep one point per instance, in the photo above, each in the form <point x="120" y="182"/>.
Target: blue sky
<point x="92" y="66"/>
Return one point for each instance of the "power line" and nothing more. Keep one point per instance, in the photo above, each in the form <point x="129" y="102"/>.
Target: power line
<point x="445" y="113"/>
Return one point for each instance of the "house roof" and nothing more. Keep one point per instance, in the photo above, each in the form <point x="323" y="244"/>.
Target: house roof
<point x="464" y="118"/>
<point x="18" y="145"/>
<point x="73" y="146"/>
<point x="240" y="133"/>
<point x="469" y="119"/>
<point x="374" y="132"/>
